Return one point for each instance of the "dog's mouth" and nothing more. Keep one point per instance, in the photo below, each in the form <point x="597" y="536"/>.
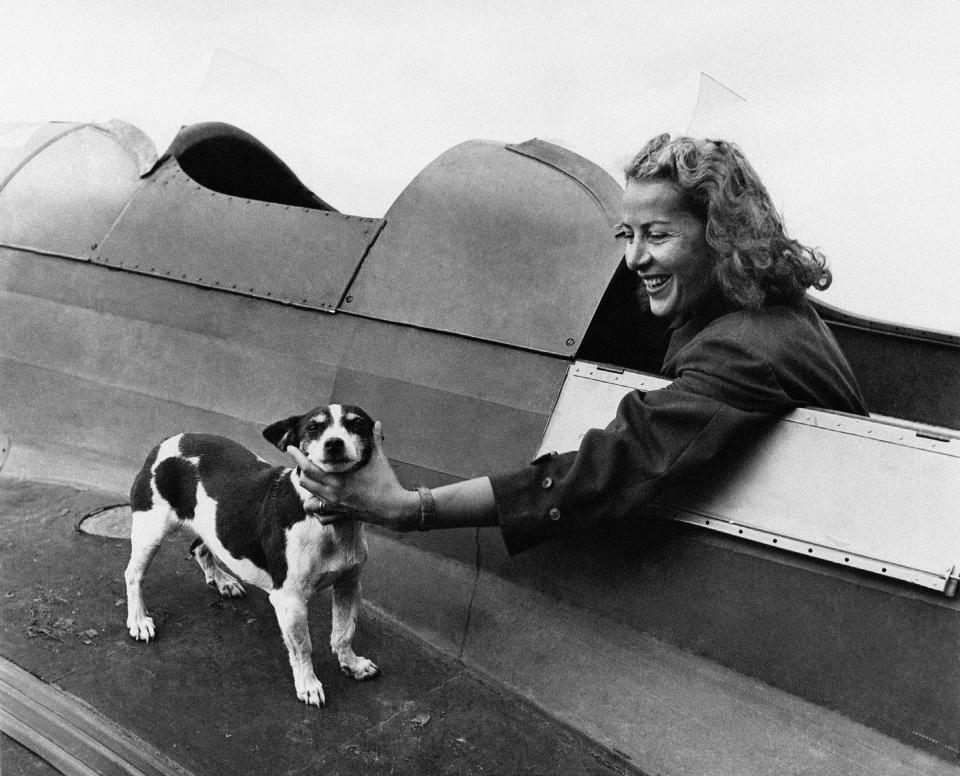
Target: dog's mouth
<point x="337" y="465"/>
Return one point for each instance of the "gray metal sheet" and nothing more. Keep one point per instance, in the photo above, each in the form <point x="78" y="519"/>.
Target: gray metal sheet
<point x="68" y="190"/>
<point x="175" y="228"/>
<point x="869" y="494"/>
<point x="19" y="142"/>
<point x="170" y="364"/>
<point x="596" y="181"/>
<point x="903" y="371"/>
<point x="447" y="432"/>
<point x="245" y="321"/>
<point x="495" y="245"/>
<point x="469" y="368"/>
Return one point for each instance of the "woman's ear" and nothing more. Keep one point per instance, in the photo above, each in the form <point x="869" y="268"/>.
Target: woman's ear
<point x="283" y="433"/>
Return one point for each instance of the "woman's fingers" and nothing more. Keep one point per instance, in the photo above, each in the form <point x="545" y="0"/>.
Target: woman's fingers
<point x="311" y="473"/>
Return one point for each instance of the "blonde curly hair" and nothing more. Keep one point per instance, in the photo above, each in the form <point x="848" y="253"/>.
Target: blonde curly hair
<point x="755" y="262"/>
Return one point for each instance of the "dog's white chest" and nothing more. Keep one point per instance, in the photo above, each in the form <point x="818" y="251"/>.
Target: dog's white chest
<point x="318" y="555"/>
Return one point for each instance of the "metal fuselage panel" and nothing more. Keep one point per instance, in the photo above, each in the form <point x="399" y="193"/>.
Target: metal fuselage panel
<point x="825" y="484"/>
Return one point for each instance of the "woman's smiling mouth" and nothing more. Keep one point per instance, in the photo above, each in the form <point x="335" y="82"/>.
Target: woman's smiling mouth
<point x="654" y="283"/>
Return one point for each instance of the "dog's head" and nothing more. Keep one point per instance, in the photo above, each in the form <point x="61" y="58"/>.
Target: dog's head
<point x="337" y="438"/>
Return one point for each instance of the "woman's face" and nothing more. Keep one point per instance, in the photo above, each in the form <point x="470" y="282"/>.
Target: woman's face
<point x="666" y="247"/>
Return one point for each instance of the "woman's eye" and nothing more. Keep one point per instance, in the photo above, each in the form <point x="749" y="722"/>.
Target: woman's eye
<point x="623" y="234"/>
<point x="657" y="236"/>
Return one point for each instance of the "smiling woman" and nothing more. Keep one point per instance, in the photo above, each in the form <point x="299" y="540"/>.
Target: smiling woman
<point x="746" y="348"/>
<point x="719" y="231"/>
<point x="666" y="246"/>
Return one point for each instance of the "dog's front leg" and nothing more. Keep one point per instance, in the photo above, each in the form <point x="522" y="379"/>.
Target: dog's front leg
<point x="346" y="606"/>
<point x="291" y="612"/>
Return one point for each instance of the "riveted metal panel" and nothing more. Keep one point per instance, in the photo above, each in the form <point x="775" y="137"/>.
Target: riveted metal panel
<point x="68" y="189"/>
<point x="175" y="228"/>
<point x="871" y="494"/>
<point x="494" y="245"/>
<point x="448" y="404"/>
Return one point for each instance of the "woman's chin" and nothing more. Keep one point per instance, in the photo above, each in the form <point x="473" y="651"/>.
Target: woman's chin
<point x="662" y="307"/>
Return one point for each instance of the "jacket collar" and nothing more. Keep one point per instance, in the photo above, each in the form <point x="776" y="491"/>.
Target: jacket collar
<point x="685" y="328"/>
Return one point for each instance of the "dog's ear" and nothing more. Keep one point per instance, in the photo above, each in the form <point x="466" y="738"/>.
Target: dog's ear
<point x="283" y="433"/>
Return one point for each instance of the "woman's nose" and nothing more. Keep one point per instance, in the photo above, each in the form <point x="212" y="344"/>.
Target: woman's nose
<point x="636" y="255"/>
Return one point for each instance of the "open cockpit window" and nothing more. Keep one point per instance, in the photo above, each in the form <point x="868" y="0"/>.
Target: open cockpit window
<point x="623" y="332"/>
<point x="230" y="161"/>
<point x="222" y="211"/>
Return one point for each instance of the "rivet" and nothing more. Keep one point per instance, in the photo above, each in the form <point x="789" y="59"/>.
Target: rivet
<point x="570" y="341"/>
<point x="348" y="299"/>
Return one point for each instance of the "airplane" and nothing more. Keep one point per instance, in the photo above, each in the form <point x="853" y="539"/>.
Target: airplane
<point x="809" y="586"/>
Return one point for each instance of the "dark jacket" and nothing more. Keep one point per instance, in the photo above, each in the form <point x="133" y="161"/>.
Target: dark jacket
<point x="732" y="376"/>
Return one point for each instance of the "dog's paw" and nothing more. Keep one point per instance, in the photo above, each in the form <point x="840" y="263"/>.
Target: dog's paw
<point x="311" y="693"/>
<point x="360" y="668"/>
<point x="230" y="588"/>
<point x="142" y="628"/>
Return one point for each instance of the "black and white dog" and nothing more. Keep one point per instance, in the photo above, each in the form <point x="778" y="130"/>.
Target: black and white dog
<point x="250" y="523"/>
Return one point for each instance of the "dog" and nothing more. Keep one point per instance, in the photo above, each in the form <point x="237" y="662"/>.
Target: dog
<point x="251" y="528"/>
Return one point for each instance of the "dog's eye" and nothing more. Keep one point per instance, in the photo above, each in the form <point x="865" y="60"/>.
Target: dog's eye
<point x="313" y="426"/>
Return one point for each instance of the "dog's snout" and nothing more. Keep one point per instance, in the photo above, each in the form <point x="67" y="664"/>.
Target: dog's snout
<point x="334" y="446"/>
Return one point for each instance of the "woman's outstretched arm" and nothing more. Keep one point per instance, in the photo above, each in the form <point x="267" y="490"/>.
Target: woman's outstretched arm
<point x="373" y="494"/>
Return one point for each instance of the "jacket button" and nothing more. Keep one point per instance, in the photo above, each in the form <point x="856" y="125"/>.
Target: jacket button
<point x="554" y="514"/>
<point x="547" y="483"/>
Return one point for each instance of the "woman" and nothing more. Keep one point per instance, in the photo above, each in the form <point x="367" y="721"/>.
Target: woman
<point x="710" y="251"/>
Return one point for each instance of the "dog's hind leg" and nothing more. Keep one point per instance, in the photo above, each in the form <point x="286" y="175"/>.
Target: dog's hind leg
<point x="214" y="573"/>
<point x="291" y="612"/>
<point x="346" y="606"/>
<point x="147" y="529"/>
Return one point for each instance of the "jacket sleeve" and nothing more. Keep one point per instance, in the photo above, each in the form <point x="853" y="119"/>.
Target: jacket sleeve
<point x="722" y="396"/>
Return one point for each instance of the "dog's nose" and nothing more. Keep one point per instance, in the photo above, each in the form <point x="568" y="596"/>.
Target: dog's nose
<point x="334" y="446"/>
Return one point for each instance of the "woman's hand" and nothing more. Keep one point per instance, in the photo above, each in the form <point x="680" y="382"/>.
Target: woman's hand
<point x="372" y="494"/>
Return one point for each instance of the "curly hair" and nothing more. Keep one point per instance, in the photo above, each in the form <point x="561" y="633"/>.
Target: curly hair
<point x="756" y="263"/>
